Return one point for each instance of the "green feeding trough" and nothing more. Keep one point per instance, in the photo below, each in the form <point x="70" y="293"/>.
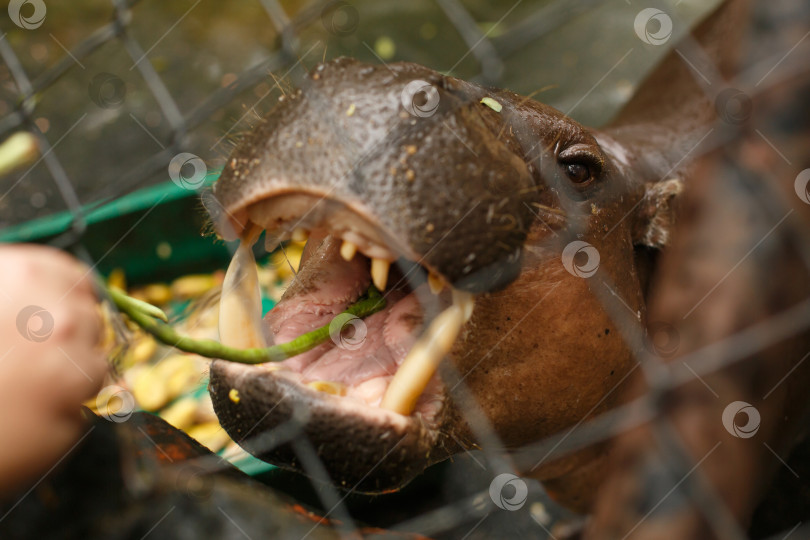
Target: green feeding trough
<point x="154" y="234"/>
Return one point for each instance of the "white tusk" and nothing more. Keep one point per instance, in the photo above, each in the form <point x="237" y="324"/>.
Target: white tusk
<point x="240" y="306"/>
<point x="424" y="358"/>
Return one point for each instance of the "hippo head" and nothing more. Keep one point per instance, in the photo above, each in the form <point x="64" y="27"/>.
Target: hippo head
<point x="452" y="185"/>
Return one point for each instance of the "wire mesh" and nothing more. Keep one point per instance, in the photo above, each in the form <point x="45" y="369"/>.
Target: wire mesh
<point x="491" y="54"/>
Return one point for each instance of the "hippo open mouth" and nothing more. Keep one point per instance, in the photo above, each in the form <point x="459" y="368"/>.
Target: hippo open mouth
<point x="438" y="191"/>
<point x="339" y="386"/>
<point x="374" y="211"/>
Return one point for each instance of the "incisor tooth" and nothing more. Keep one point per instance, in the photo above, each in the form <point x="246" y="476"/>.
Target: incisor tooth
<point x="422" y="361"/>
<point x="300" y="235"/>
<point x="379" y="272"/>
<point x="435" y="282"/>
<point x="328" y="387"/>
<point x="240" y="306"/>
<point x="347" y="250"/>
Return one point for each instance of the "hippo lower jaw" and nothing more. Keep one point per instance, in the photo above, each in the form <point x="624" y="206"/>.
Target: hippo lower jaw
<point x="332" y="393"/>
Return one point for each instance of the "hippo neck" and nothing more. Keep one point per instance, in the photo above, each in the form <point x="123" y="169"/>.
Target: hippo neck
<point x="673" y="111"/>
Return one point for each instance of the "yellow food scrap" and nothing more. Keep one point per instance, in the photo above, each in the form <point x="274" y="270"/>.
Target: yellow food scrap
<point x="292" y="259"/>
<point x="492" y="104"/>
<point x="139" y="351"/>
<point x="150" y="390"/>
<point x="156" y="294"/>
<point x="193" y="285"/>
<point x="351" y="109"/>
<point x="209" y="434"/>
<point x="233" y="395"/>
<point x="117" y="279"/>
<point x="180" y="373"/>
<point x="181" y="414"/>
<point x="328" y="387"/>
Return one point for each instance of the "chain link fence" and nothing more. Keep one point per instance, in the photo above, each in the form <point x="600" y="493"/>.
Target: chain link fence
<point x="113" y="94"/>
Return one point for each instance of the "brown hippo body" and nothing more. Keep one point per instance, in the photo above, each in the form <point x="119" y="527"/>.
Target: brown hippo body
<point x="485" y="191"/>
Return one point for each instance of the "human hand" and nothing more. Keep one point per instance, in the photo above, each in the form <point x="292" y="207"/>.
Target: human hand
<point x="50" y="361"/>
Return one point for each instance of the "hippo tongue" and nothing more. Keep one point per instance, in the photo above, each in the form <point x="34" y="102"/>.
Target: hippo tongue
<point x="364" y="355"/>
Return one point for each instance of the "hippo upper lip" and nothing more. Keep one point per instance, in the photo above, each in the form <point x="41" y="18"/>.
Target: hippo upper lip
<point x="347" y="139"/>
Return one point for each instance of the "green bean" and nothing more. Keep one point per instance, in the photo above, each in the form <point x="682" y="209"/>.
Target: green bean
<point x="144" y="315"/>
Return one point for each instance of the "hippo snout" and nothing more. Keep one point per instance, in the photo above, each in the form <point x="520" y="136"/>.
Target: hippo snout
<point x="455" y="202"/>
<point x="446" y="186"/>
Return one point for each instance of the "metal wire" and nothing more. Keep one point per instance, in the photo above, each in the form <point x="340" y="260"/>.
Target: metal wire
<point x="490" y="54"/>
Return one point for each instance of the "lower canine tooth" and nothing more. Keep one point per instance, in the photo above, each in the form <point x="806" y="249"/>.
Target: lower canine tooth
<point x="379" y="272"/>
<point x="328" y="387"/>
<point x="435" y="282"/>
<point x="240" y="306"/>
<point x="347" y="250"/>
<point x="422" y="361"/>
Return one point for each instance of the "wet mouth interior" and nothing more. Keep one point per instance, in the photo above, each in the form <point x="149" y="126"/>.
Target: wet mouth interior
<point x="387" y="360"/>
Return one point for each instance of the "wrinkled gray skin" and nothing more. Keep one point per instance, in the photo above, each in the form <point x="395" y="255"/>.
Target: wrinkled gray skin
<point x="476" y="196"/>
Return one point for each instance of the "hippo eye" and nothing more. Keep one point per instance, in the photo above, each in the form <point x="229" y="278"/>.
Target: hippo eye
<point x="578" y="173"/>
<point x="582" y="164"/>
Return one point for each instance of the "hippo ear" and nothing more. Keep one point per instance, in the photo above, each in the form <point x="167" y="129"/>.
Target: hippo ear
<point x="655" y="215"/>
